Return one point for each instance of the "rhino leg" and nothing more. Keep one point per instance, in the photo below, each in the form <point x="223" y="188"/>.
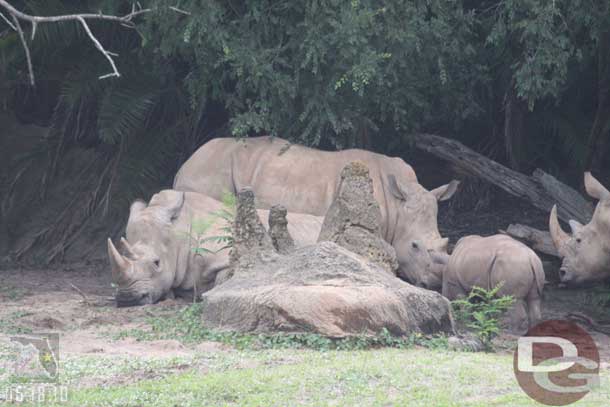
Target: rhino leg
<point x="534" y="307"/>
<point x="517" y="317"/>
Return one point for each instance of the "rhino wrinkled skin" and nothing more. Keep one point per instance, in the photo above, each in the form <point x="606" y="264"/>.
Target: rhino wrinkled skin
<point x="305" y="180"/>
<point x="158" y="258"/>
<point x="488" y="261"/>
<point x="585" y="251"/>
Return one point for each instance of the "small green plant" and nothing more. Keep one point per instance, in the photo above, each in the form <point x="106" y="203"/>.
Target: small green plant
<point x="200" y="227"/>
<point x="185" y="325"/>
<point x="481" y="310"/>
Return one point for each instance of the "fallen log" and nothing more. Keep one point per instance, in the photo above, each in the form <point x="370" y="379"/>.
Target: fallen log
<point x="538" y="240"/>
<point x="541" y="189"/>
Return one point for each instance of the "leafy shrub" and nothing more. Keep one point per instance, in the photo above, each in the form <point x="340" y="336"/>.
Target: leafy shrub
<point x="481" y="310"/>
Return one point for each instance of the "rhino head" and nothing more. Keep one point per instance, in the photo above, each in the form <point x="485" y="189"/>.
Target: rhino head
<point x="145" y="272"/>
<point x="585" y="251"/>
<point x="420" y="249"/>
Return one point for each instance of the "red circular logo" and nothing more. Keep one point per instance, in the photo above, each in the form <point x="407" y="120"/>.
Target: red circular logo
<point x="557" y="363"/>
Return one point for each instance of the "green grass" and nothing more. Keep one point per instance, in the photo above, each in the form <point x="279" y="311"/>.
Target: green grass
<point x="383" y="377"/>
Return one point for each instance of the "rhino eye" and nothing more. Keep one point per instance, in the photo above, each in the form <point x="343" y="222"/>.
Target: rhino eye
<point x="157" y="263"/>
<point x="578" y="240"/>
<point x="415" y="245"/>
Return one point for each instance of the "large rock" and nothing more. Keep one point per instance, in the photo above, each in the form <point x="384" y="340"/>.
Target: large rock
<point x="354" y="218"/>
<point x="325" y="289"/>
<point x="322" y="288"/>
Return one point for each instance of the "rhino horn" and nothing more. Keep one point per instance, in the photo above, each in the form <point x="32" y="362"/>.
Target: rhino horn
<point x="594" y="188"/>
<point x="445" y="192"/>
<point x="118" y="264"/>
<point x="557" y="234"/>
<point x="575" y="226"/>
<point x="128" y="249"/>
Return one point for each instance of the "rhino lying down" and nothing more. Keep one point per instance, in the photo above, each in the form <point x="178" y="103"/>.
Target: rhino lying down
<point x="586" y="251"/>
<point x="488" y="261"/>
<point x="305" y="180"/>
<point x="158" y="260"/>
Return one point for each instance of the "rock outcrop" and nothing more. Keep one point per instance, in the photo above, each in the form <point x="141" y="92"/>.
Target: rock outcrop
<point x="278" y="229"/>
<point x="354" y="218"/>
<point x="250" y="239"/>
<point x="322" y="288"/>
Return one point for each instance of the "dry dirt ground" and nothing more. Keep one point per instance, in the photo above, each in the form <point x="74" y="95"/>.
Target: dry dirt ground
<point x="76" y="301"/>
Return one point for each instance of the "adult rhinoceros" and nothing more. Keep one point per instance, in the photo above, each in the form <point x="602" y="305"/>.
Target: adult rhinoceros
<point x="586" y="251"/>
<point x="158" y="258"/>
<point x="304" y="180"/>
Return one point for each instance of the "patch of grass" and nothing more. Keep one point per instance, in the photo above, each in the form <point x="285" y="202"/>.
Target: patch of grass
<point x="596" y="300"/>
<point x="10" y="325"/>
<point x="383" y="377"/>
<point x="12" y="293"/>
<point x="185" y="325"/>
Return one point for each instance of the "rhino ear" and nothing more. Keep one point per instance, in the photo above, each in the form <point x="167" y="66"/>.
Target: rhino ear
<point x="135" y="208"/>
<point x="446" y="191"/>
<point x="594" y="188"/>
<point x="395" y="189"/>
<point x="168" y="204"/>
<point x="575" y="225"/>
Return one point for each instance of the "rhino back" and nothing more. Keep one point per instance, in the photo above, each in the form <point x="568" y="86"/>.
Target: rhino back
<point x="302" y="179"/>
<point x="488" y="261"/>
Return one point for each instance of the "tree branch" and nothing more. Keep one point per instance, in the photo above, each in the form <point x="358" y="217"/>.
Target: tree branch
<point x="7" y="21"/>
<point x="125" y="20"/>
<point x="26" y="48"/>
<point x="115" y="71"/>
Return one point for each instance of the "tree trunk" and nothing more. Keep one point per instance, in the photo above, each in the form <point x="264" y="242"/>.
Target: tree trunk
<point x="542" y="189"/>
<point x="597" y="146"/>
<point x="514" y="120"/>
<point x="538" y="240"/>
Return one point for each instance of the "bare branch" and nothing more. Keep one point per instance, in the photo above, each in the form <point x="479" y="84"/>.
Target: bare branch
<point x="177" y="10"/>
<point x="115" y="71"/>
<point x="69" y="17"/>
<point x="6" y="20"/>
<point x="26" y="48"/>
<point x="125" y="20"/>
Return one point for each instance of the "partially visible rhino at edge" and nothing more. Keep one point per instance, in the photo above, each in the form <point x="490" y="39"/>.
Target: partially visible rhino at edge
<point x="585" y="251"/>
<point x="305" y="180"/>
<point x="158" y="260"/>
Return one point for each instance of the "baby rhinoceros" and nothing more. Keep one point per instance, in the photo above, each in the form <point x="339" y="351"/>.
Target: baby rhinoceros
<point x="488" y="261"/>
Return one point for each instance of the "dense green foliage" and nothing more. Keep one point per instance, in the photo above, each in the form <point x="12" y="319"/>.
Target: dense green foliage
<point x="481" y="311"/>
<point x="524" y="81"/>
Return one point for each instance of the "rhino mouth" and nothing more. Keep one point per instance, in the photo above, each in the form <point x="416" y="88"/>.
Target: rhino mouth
<point x="131" y="300"/>
<point x="569" y="278"/>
